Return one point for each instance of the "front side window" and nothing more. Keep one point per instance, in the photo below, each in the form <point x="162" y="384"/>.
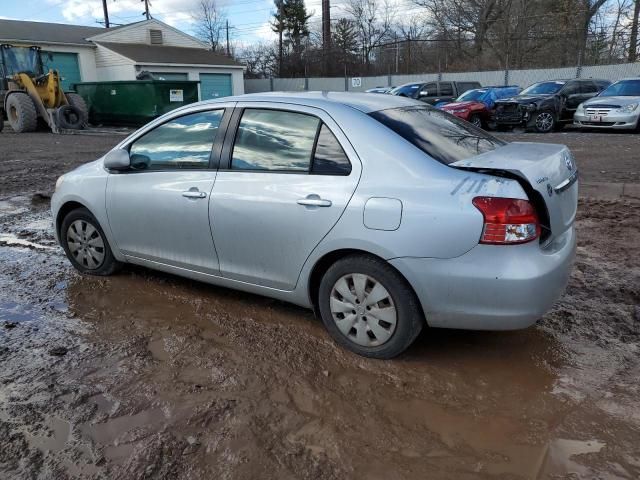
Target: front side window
<point x="571" y="89"/>
<point x="441" y="136"/>
<point x="182" y="143"/>
<point x="274" y="140"/>
<point x="429" y="90"/>
<point x="329" y="157"/>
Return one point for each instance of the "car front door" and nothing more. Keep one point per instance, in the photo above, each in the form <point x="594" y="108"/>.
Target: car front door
<point x="159" y="209"/>
<point x="428" y="93"/>
<point x="571" y="96"/>
<point x="286" y="176"/>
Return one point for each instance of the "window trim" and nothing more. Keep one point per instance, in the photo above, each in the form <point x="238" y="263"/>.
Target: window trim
<point x="216" y="146"/>
<point x="232" y="134"/>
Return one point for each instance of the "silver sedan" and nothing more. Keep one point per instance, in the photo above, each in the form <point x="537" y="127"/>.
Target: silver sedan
<point x="381" y="213"/>
<point x="617" y="107"/>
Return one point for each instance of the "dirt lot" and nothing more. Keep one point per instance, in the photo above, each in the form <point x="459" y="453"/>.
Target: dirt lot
<point x="145" y="375"/>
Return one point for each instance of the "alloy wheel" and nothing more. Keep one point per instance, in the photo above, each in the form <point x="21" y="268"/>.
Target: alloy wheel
<point x="544" y="121"/>
<point x="86" y="244"/>
<point x="475" y="120"/>
<point x="363" y="310"/>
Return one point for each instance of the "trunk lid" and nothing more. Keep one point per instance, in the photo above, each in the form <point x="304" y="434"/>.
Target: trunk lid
<point x="549" y="170"/>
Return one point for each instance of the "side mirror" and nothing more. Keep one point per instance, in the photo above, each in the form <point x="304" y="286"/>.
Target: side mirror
<point x="117" y="159"/>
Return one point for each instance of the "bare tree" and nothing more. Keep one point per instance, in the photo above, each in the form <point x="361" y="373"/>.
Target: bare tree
<point x="209" y="23"/>
<point x="373" y="21"/>
<point x="633" y="40"/>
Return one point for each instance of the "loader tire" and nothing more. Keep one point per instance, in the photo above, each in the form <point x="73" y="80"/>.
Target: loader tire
<point x="77" y="101"/>
<point x="1" y="120"/>
<point x="69" y="117"/>
<point x="21" y="113"/>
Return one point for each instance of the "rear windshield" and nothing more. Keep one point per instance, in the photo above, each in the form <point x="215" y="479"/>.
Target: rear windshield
<point x="443" y="137"/>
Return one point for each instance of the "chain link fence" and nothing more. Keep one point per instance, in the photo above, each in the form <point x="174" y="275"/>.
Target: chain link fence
<point x="523" y="78"/>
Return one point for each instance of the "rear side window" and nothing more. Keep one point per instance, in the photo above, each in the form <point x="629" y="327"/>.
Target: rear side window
<point x="440" y="135"/>
<point x="446" y="89"/>
<point x="274" y="140"/>
<point x="329" y="157"/>
<point x="182" y="143"/>
<point x="588" y="87"/>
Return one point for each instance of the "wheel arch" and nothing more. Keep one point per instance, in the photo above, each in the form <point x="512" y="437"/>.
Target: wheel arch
<point x="65" y="209"/>
<point x="329" y="258"/>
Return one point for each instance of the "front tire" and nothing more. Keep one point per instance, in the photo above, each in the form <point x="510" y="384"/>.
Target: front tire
<point x="21" y="113"/>
<point x="545" y="122"/>
<point x="86" y="245"/>
<point x="475" y="120"/>
<point x="368" y="307"/>
<point x="78" y="102"/>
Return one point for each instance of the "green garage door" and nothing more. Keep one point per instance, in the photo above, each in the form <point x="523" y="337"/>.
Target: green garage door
<point x="215" y="85"/>
<point x="66" y="64"/>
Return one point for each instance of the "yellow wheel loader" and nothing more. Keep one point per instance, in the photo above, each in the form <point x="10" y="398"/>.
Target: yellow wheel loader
<point x="29" y="95"/>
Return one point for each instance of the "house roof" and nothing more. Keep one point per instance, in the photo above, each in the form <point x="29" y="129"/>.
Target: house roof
<point x="142" y="53"/>
<point x="12" y="30"/>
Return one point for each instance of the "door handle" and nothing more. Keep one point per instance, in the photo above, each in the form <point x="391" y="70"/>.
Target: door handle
<point x="314" y="201"/>
<point x="194" y="194"/>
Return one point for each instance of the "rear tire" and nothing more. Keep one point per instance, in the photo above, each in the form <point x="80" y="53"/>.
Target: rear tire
<point x="387" y="317"/>
<point x="21" y="113"/>
<point x="86" y="245"/>
<point x="78" y="102"/>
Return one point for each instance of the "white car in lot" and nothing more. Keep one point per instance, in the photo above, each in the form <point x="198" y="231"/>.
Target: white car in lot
<point x="616" y="107"/>
<point x="381" y="213"/>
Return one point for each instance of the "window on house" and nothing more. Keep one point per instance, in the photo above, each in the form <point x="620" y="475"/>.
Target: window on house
<point x="155" y="36"/>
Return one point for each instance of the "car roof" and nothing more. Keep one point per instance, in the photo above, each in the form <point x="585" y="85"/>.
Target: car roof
<point x="360" y="101"/>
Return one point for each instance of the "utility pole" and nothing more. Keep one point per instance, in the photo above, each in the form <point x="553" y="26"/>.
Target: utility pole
<point x="228" y="51"/>
<point x="146" y="9"/>
<point x="326" y="34"/>
<point x="106" y="13"/>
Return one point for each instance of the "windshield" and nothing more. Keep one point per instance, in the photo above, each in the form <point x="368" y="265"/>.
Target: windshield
<point x="21" y="59"/>
<point x="543" y="88"/>
<point x="408" y="90"/>
<point x="472" y="96"/>
<point x="441" y="136"/>
<point x="623" y="88"/>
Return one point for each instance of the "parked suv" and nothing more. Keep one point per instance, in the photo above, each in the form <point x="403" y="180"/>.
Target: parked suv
<point x="616" y="107"/>
<point x="434" y="92"/>
<point x="477" y="105"/>
<point x="546" y="106"/>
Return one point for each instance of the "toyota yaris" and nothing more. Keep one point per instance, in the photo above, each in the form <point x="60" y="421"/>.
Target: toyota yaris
<point x="381" y="213"/>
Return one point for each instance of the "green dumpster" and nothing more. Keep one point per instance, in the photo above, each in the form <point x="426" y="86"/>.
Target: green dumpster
<point x="134" y="102"/>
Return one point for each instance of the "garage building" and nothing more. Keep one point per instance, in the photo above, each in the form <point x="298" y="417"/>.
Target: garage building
<point x="90" y="54"/>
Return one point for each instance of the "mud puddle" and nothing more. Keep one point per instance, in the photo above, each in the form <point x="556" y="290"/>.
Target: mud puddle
<point x="145" y="375"/>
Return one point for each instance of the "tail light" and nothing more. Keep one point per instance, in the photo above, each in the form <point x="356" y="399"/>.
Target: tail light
<point x="507" y="220"/>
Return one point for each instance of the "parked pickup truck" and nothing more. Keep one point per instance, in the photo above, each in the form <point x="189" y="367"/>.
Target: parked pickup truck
<point x="546" y="106"/>
<point x="434" y="92"/>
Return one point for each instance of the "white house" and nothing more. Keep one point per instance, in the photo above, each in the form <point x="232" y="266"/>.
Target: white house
<point x="90" y="54"/>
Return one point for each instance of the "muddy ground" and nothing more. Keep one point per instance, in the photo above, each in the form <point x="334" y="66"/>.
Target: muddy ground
<point x="146" y="375"/>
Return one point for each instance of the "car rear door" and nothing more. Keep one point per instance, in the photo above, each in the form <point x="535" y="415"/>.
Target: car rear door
<point x="159" y="209"/>
<point x="286" y="175"/>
